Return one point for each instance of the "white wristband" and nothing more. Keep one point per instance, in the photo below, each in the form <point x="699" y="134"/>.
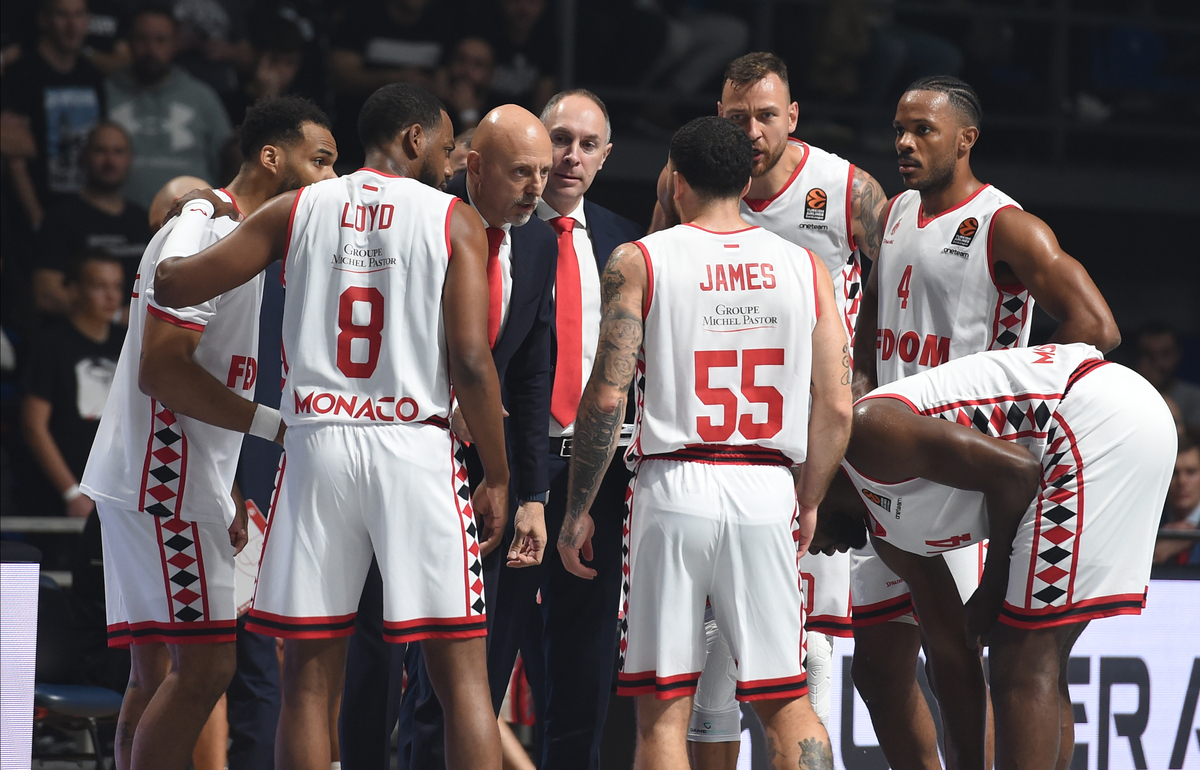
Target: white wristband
<point x="265" y="423"/>
<point x="184" y="240"/>
<point x="71" y="493"/>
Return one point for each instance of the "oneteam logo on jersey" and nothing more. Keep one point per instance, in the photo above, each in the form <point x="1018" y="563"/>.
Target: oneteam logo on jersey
<point x="814" y="204"/>
<point x="883" y="502"/>
<point x="966" y="232"/>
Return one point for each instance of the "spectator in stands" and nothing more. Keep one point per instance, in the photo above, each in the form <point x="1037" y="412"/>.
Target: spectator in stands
<point x="526" y="45"/>
<point x="699" y="44"/>
<point x="177" y="123"/>
<point x="462" y="146"/>
<point x="214" y="45"/>
<point x="1183" y="508"/>
<point x="98" y="218"/>
<point x="1158" y="357"/>
<point x="61" y="96"/>
<point x="278" y="53"/>
<point x="70" y="371"/>
<point x="465" y="83"/>
<point x="381" y="42"/>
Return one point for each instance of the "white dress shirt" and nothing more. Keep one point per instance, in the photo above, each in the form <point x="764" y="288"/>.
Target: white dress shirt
<point x="505" y="267"/>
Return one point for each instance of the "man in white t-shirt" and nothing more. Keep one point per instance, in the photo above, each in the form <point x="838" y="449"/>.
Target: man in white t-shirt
<point x="162" y="466"/>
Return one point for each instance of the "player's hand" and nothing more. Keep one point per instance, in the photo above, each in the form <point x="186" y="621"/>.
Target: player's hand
<point x="458" y="426"/>
<point x="491" y="514"/>
<point x="239" y="533"/>
<point x="221" y="207"/>
<point x="529" y="545"/>
<point x="983" y="609"/>
<point x="807" y="520"/>
<point x="575" y="540"/>
<point x="81" y="507"/>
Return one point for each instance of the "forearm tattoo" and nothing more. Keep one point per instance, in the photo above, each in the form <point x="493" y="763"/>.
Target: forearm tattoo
<point x="868" y="200"/>
<point x="598" y="430"/>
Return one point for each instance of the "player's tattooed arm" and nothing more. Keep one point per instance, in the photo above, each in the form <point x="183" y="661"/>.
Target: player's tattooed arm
<point x="815" y="754"/>
<point x="602" y="406"/>
<point x="868" y="207"/>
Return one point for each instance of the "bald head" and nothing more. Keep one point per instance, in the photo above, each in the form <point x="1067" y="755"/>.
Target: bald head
<point x="171" y="192"/>
<point x="508" y="165"/>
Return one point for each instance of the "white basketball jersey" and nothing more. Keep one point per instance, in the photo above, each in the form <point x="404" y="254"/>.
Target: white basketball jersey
<point x="1008" y="394"/>
<point x="363" y="339"/>
<point x="938" y="300"/>
<point x="812" y="210"/>
<point x="726" y="354"/>
<point x="147" y="458"/>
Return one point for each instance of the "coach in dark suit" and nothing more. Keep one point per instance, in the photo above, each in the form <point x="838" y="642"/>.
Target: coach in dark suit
<point x="578" y="617"/>
<point x="506" y="173"/>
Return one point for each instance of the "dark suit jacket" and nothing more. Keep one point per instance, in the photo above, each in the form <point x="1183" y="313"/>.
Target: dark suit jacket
<point x="522" y="353"/>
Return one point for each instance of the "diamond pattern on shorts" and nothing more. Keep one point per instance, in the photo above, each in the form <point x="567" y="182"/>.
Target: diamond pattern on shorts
<point x="184" y="583"/>
<point x="624" y="612"/>
<point x="640" y="394"/>
<point x="1057" y="528"/>
<point x="851" y="293"/>
<point x="1011" y="313"/>
<point x="162" y="485"/>
<point x="1005" y="419"/>
<point x="475" y="600"/>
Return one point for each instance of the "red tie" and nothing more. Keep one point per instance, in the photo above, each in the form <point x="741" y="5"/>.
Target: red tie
<point x="568" y="375"/>
<point x="495" y="279"/>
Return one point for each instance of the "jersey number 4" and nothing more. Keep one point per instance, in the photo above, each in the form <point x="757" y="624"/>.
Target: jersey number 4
<point x="902" y="290"/>
<point x="728" y="401"/>
<point x="349" y="331"/>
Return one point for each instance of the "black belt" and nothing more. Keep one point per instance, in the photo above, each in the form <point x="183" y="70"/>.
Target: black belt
<point x="561" y="445"/>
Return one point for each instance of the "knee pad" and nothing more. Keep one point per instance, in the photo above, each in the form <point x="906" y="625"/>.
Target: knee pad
<point x="819" y="666"/>
<point x="716" y="717"/>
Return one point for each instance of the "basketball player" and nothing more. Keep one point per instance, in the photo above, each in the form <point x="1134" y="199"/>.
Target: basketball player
<point x="387" y="307"/>
<point x="1001" y="445"/>
<point x="960" y="266"/>
<point x="163" y="464"/>
<point x="722" y="323"/>
<point x="823" y="203"/>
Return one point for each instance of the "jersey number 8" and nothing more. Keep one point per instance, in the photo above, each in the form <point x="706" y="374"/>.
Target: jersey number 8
<point x="349" y="331"/>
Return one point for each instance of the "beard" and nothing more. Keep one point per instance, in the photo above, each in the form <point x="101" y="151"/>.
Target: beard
<point x="768" y="160"/>
<point x="516" y="220"/>
<point x="431" y="173"/>
<point x="289" y="181"/>
<point x="939" y="176"/>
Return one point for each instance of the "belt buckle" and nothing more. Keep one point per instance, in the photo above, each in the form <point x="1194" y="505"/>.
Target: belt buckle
<point x="565" y="449"/>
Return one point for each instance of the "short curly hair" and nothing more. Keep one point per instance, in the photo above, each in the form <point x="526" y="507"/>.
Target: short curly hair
<point x="714" y="156"/>
<point x="279" y="121"/>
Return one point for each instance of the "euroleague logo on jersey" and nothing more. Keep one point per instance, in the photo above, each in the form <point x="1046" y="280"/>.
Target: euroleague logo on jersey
<point x="966" y="232"/>
<point x="814" y="204"/>
<point x="883" y="502"/>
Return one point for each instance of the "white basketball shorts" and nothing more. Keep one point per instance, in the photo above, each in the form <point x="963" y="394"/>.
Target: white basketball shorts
<point x="166" y="580"/>
<point x="879" y="595"/>
<point x="825" y="581"/>
<point x="346" y="492"/>
<point x="1084" y="549"/>
<point x="716" y="532"/>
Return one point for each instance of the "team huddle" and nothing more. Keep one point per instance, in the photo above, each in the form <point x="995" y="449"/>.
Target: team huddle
<point x="811" y="456"/>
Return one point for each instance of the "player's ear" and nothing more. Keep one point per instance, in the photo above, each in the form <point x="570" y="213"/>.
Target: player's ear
<point x="416" y="138"/>
<point x="967" y="136"/>
<point x="746" y="189"/>
<point x="270" y="158"/>
<point x="793" y="116"/>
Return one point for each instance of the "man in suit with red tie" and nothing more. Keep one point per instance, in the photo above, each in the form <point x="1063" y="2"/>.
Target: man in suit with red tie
<point x="507" y="171"/>
<point x="577" y="618"/>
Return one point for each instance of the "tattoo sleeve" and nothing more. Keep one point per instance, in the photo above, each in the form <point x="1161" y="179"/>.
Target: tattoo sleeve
<point x="868" y="204"/>
<point x="602" y="407"/>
